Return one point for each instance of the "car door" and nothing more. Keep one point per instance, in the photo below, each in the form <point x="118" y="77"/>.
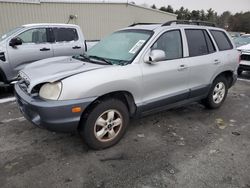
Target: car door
<point x="165" y="82"/>
<point x="34" y="47"/>
<point x="227" y="54"/>
<point x="67" y="42"/>
<point x="203" y="61"/>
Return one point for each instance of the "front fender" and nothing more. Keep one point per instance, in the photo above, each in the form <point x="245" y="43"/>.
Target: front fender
<point x="99" y="82"/>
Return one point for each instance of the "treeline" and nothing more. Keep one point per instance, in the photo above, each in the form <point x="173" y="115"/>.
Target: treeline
<point x="239" y="22"/>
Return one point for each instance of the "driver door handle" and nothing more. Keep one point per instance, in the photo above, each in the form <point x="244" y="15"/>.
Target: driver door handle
<point x="45" y="49"/>
<point x="76" y="47"/>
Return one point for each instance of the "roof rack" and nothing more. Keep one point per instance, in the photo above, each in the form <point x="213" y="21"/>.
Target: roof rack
<point x="134" y="24"/>
<point x="190" y="22"/>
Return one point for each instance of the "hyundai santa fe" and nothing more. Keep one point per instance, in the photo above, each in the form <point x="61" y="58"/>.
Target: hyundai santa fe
<point x="133" y="72"/>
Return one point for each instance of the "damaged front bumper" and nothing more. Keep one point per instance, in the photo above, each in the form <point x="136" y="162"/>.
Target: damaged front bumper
<point x="52" y="115"/>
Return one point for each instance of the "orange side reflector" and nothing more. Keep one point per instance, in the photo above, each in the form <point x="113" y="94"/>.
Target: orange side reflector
<point x="76" y="109"/>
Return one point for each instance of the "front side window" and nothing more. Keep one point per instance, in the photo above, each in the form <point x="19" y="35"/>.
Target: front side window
<point x="34" y="36"/>
<point x="221" y="40"/>
<point x="171" y="43"/>
<point x="122" y="46"/>
<point x="65" y="34"/>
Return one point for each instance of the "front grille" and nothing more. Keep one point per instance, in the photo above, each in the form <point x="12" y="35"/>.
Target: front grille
<point x="244" y="67"/>
<point x="23" y="85"/>
<point x="23" y="82"/>
<point x="2" y="56"/>
<point x="245" y="57"/>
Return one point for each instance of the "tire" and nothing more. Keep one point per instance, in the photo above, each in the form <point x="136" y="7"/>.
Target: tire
<point x="104" y="117"/>
<point x="211" y="102"/>
<point x="239" y="72"/>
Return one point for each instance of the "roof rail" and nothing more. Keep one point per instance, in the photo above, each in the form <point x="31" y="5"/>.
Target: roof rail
<point x="134" y="24"/>
<point x="190" y="22"/>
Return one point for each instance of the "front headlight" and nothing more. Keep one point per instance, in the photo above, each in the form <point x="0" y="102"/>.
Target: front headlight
<point x="51" y="91"/>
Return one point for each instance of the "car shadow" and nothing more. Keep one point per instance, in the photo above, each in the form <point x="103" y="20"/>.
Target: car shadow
<point x="6" y="91"/>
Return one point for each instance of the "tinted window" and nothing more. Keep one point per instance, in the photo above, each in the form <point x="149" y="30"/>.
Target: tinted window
<point x="196" y="42"/>
<point x="210" y="44"/>
<point x="171" y="43"/>
<point x="34" y="36"/>
<point x="65" y="34"/>
<point x="221" y="40"/>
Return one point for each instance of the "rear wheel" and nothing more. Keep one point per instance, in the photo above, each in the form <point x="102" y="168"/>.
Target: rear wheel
<point x="105" y="124"/>
<point x="217" y="93"/>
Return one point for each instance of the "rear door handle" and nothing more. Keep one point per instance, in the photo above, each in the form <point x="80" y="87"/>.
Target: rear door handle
<point x="217" y="62"/>
<point x="182" y="67"/>
<point x="76" y="47"/>
<point x="45" y="49"/>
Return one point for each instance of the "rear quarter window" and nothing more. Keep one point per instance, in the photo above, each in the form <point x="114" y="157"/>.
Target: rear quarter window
<point x="222" y="40"/>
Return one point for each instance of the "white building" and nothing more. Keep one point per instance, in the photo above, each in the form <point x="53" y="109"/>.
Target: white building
<point x="96" y="19"/>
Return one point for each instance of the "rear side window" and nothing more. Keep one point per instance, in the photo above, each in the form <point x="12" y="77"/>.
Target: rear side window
<point x="221" y="40"/>
<point x="197" y="42"/>
<point x="210" y="44"/>
<point x="65" y="34"/>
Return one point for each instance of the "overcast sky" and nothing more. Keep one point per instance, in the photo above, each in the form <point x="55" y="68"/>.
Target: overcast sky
<point x="218" y="5"/>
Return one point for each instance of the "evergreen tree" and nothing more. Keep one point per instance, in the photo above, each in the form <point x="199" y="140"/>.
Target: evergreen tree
<point x="239" y="22"/>
<point x="153" y="6"/>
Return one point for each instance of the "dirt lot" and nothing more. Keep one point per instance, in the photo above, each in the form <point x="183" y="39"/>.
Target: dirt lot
<point x="185" y="147"/>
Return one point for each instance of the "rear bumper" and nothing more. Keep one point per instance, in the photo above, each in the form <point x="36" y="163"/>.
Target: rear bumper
<point x="52" y="115"/>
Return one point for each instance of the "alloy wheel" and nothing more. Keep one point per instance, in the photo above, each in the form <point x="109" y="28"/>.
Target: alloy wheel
<point x="219" y="92"/>
<point x="108" y="125"/>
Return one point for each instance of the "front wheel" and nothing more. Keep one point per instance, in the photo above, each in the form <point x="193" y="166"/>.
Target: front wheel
<point x="217" y="93"/>
<point x="105" y="124"/>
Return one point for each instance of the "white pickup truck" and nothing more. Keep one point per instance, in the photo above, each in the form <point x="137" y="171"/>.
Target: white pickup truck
<point x="29" y="43"/>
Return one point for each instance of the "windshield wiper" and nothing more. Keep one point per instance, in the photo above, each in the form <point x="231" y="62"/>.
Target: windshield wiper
<point x="88" y="58"/>
<point x="100" y="58"/>
<point x="81" y="56"/>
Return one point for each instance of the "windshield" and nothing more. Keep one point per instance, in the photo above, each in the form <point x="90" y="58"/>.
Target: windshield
<point x="240" y="41"/>
<point x="121" y="47"/>
<point x="6" y="35"/>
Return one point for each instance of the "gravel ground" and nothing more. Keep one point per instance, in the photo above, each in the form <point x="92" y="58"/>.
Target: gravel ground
<point x="184" y="147"/>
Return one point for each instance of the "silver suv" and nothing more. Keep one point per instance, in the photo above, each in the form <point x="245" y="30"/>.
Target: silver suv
<point x="135" y="71"/>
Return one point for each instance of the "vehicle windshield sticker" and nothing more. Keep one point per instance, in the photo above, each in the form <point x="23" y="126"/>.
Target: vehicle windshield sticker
<point x="136" y="47"/>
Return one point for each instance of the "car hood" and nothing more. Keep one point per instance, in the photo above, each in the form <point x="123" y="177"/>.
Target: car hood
<point x="54" y="69"/>
<point x="245" y="48"/>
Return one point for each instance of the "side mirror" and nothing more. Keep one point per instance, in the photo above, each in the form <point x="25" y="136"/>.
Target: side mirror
<point x="155" y="56"/>
<point x="15" y="42"/>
